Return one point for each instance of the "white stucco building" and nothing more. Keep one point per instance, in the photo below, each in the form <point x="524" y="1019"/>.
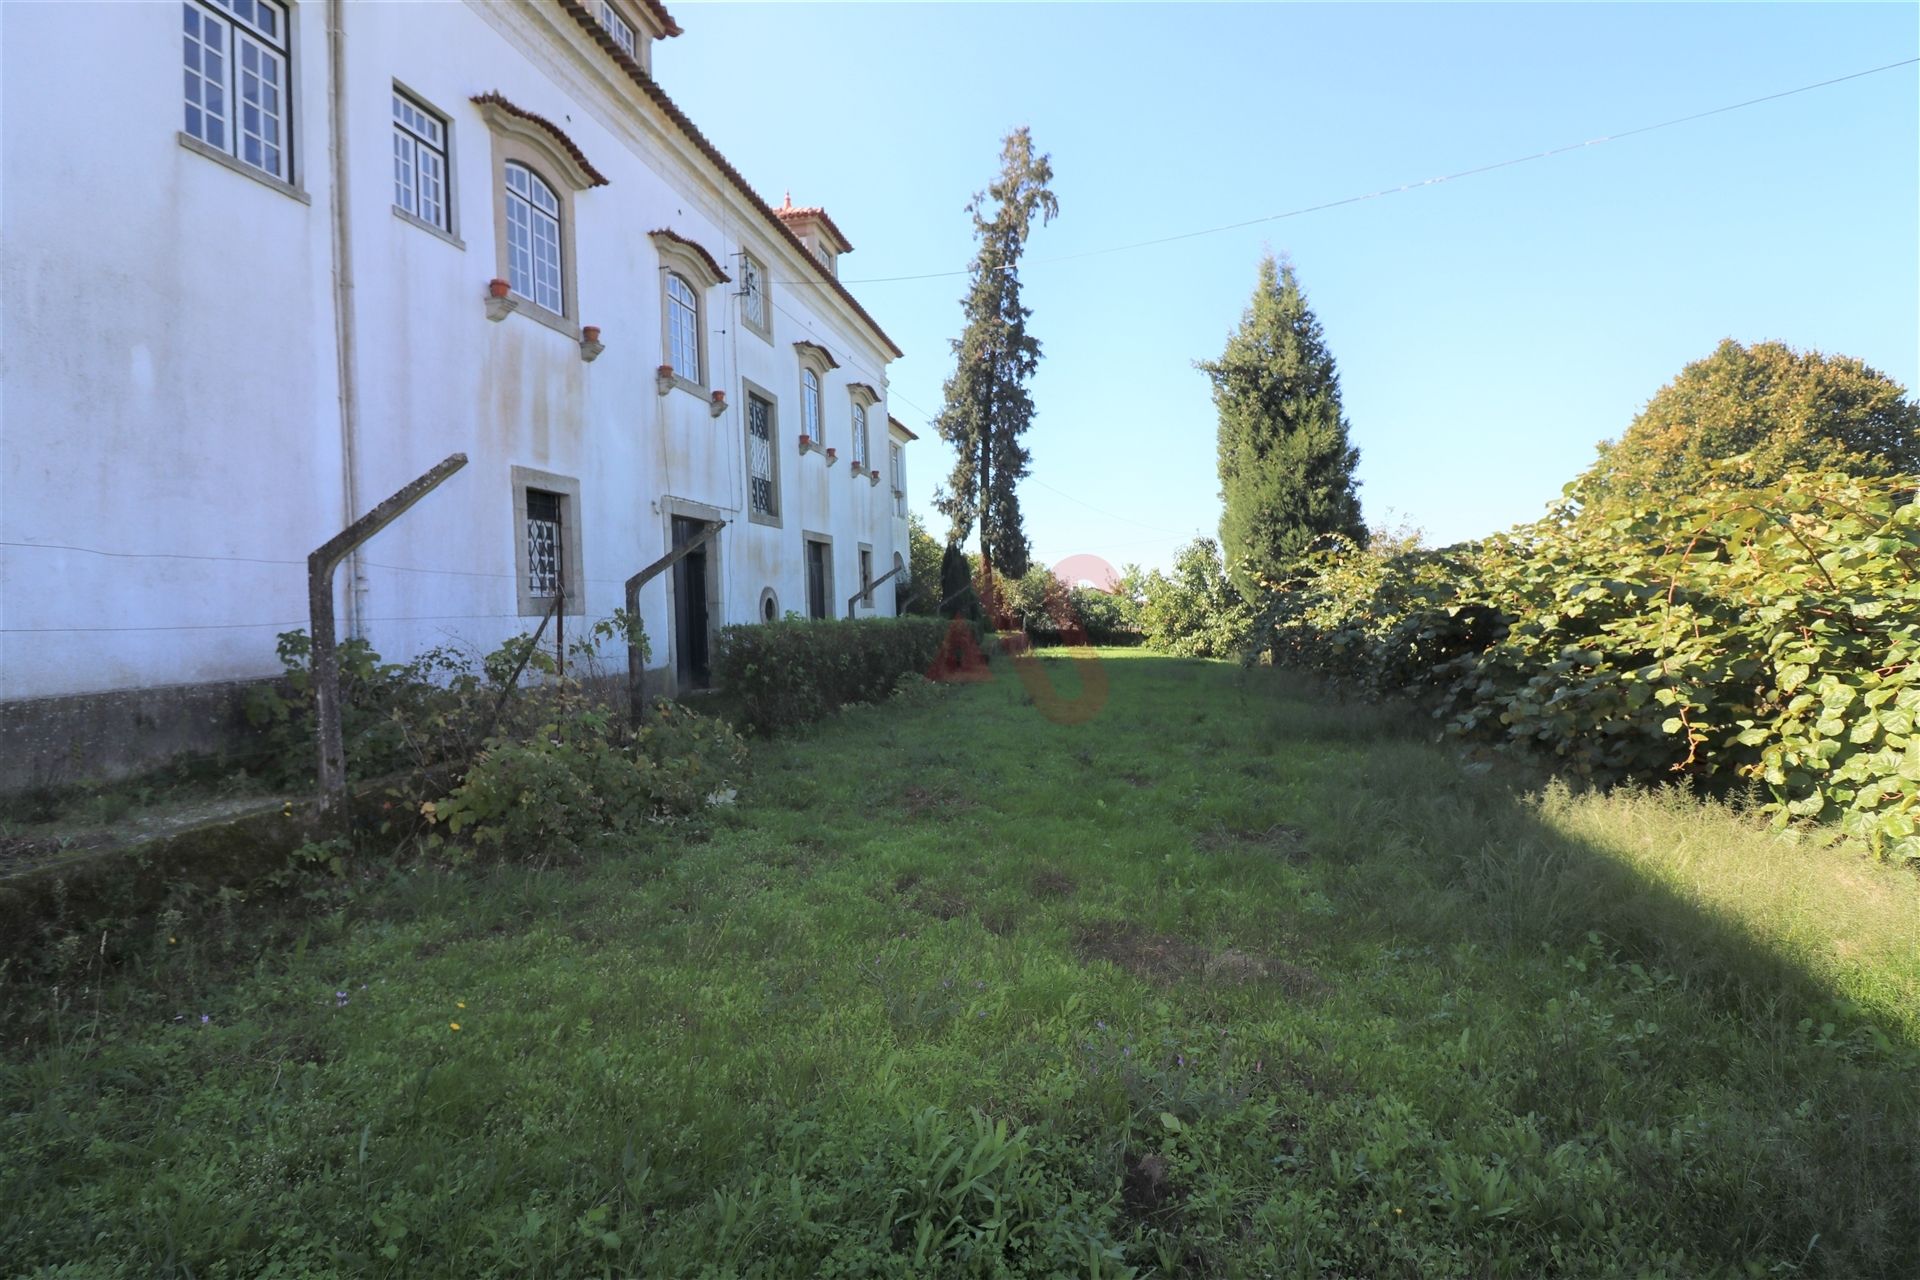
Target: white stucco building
<point x="248" y="293"/>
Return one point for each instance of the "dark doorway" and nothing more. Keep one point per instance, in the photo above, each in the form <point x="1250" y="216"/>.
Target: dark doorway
<point x="690" y="607"/>
<point x="817" y="580"/>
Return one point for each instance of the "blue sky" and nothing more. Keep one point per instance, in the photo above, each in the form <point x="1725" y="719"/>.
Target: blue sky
<point x="1488" y="331"/>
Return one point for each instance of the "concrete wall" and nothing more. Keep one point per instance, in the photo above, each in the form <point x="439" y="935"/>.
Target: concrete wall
<point x="172" y="394"/>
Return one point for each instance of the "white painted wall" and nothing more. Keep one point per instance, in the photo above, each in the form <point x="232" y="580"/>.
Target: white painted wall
<point x="171" y="392"/>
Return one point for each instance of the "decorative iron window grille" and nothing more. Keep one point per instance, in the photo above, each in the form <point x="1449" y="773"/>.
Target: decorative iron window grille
<point x="761" y="491"/>
<point x="543" y="543"/>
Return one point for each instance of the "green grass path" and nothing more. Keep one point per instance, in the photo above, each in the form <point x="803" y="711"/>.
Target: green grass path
<point x="1221" y="981"/>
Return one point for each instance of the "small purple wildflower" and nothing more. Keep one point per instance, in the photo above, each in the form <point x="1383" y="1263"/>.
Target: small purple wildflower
<point x="205" y="1019"/>
<point x="1127" y="1052"/>
<point x="339" y="999"/>
<point x="1179" y="1059"/>
<point x="1099" y="1025"/>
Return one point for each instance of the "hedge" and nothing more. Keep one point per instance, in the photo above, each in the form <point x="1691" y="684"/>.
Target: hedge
<point x="780" y="674"/>
<point x="1762" y="636"/>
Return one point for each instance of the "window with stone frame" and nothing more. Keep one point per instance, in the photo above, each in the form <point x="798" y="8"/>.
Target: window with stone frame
<point x="683" y="328"/>
<point x="763" y="474"/>
<point x="533" y="238"/>
<point x="756" y="308"/>
<point x="420" y="163"/>
<point x="237" y="81"/>
<point x="859" y="434"/>
<point x="619" y="28"/>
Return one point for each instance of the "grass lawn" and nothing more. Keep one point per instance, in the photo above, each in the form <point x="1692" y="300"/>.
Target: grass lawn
<point x="1220" y="981"/>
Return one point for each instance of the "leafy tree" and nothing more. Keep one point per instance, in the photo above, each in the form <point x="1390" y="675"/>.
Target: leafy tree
<point x="987" y="406"/>
<point x="957" y="598"/>
<point x="1036" y="600"/>
<point x="1782" y="410"/>
<point x="923" y="567"/>
<point x="1286" y="468"/>
<point x="1196" y="610"/>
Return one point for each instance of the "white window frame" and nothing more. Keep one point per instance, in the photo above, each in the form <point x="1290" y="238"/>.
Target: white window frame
<point x="237" y="102"/>
<point x="753" y="292"/>
<point x="544" y="277"/>
<point x="620" y="29"/>
<point x="413" y="138"/>
<point x="683" y="328"/>
<point x="810" y="414"/>
<point x="897" y="477"/>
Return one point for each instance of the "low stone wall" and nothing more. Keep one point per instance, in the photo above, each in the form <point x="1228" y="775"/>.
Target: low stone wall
<point x="102" y="737"/>
<point x="99" y="889"/>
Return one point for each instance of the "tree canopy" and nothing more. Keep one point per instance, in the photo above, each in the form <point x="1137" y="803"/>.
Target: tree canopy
<point x="987" y="406"/>
<point x="1782" y="410"/>
<point x="1286" y="467"/>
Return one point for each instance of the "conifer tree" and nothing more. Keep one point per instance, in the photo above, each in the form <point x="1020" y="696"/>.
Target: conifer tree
<point x="987" y="406"/>
<point x="1286" y="468"/>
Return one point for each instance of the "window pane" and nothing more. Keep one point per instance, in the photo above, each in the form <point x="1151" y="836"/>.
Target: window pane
<point x="617" y="26"/>
<point x="683" y="328"/>
<point x="810" y="404"/>
<point x="760" y="456"/>
<point x="204" y="42"/>
<point x="755" y="297"/>
<point x="543" y="543"/>
<point x="403" y="172"/>
<point x="533" y="238"/>
<point x="860" y="434"/>
<point x="433" y="187"/>
<point x="262" y="109"/>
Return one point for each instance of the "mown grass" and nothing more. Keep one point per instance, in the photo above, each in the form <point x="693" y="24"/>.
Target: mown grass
<point x="1224" y="980"/>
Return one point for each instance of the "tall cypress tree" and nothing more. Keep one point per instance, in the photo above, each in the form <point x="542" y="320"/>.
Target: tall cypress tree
<point x="1286" y="468"/>
<point x="987" y="405"/>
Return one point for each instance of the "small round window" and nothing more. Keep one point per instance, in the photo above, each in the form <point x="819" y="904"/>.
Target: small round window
<point x="769" y="605"/>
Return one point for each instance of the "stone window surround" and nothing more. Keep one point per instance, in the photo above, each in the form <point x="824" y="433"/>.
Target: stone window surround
<point x="451" y="232"/>
<point x="751" y="261"/>
<point x="769" y="605"/>
<point x="572" y="560"/>
<point x="748" y="387"/>
<point x="865" y="398"/>
<point x="820" y="361"/>
<point x="515" y="138"/>
<point x="690" y="263"/>
<point x="866" y="584"/>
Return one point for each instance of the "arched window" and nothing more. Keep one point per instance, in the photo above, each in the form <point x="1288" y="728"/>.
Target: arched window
<point x="533" y="238"/>
<point x="810" y="404"/>
<point x="683" y="328"/>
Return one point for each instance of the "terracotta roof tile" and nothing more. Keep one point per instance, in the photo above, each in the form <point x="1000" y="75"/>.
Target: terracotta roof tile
<point x="669" y="233"/>
<point x="679" y="117"/>
<point x="812" y="213"/>
<point x="665" y="19"/>
<point x="825" y="356"/>
<point x="493" y="98"/>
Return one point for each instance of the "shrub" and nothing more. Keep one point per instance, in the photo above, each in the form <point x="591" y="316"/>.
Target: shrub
<point x="1765" y="636"/>
<point x="1195" y="610"/>
<point x="787" y="673"/>
<point x="583" y="774"/>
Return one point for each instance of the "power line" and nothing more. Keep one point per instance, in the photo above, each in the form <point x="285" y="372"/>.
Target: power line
<point x="1406" y="186"/>
<point x="1102" y="511"/>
